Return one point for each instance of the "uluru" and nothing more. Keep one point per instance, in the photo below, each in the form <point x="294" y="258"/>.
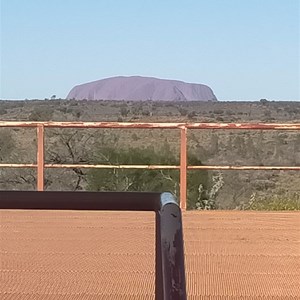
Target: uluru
<point x="138" y="88"/>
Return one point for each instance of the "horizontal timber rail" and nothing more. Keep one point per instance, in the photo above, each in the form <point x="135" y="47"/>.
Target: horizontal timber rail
<point x="183" y="127"/>
<point x="145" y="125"/>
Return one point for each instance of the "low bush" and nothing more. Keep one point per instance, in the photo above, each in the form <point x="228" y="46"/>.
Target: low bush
<point x="275" y="202"/>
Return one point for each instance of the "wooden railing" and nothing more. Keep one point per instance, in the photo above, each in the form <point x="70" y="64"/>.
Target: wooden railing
<point x="183" y="127"/>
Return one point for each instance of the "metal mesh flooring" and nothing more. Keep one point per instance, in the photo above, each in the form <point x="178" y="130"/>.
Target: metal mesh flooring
<point x="110" y="255"/>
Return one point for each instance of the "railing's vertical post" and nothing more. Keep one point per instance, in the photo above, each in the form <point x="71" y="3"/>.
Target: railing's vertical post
<point x="40" y="157"/>
<point x="183" y="167"/>
<point x="169" y="259"/>
<point x="159" y="278"/>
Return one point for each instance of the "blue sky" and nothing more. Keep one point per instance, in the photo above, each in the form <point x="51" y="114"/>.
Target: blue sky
<point x="242" y="49"/>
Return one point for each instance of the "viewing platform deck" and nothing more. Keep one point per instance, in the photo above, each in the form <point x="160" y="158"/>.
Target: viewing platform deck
<point x="111" y="255"/>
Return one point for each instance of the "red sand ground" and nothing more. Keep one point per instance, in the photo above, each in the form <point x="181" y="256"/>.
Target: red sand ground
<point x="110" y="255"/>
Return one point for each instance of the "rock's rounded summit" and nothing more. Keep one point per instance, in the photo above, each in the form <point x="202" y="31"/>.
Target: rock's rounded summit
<point x="138" y="88"/>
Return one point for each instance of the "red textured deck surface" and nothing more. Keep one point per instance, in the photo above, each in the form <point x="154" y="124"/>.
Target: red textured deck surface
<point x="110" y="255"/>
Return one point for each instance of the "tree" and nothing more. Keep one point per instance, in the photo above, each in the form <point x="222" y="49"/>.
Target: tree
<point x="70" y="147"/>
<point x="7" y="144"/>
<point x="41" y="113"/>
<point x="14" y="178"/>
<point x="124" y="111"/>
<point x="144" y="180"/>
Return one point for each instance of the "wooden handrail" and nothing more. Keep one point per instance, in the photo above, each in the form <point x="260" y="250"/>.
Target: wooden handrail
<point x="183" y="127"/>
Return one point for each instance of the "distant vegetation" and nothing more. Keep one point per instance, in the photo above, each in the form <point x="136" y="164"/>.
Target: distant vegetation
<point x="146" y="180"/>
<point x="274" y="202"/>
<point x="255" y="190"/>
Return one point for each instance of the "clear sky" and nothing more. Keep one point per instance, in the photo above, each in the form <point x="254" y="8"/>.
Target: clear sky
<point x="242" y="49"/>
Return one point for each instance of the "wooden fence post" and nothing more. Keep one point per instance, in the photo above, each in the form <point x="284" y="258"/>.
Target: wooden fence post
<point x="40" y="158"/>
<point x="183" y="167"/>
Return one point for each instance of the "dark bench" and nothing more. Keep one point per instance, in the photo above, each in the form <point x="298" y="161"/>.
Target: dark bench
<point x="169" y="265"/>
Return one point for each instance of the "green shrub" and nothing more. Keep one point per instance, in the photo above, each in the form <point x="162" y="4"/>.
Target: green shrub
<point x="275" y="202"/>
<point x="144" y="179"/>
<point x="41" y="113"/>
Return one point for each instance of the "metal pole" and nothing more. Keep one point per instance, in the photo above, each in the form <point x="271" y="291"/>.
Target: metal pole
<point x="173" y="283"/>
<point x="183" y="167"/>
<point x="159" y="275"/>
<point x="40" y="158"/>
